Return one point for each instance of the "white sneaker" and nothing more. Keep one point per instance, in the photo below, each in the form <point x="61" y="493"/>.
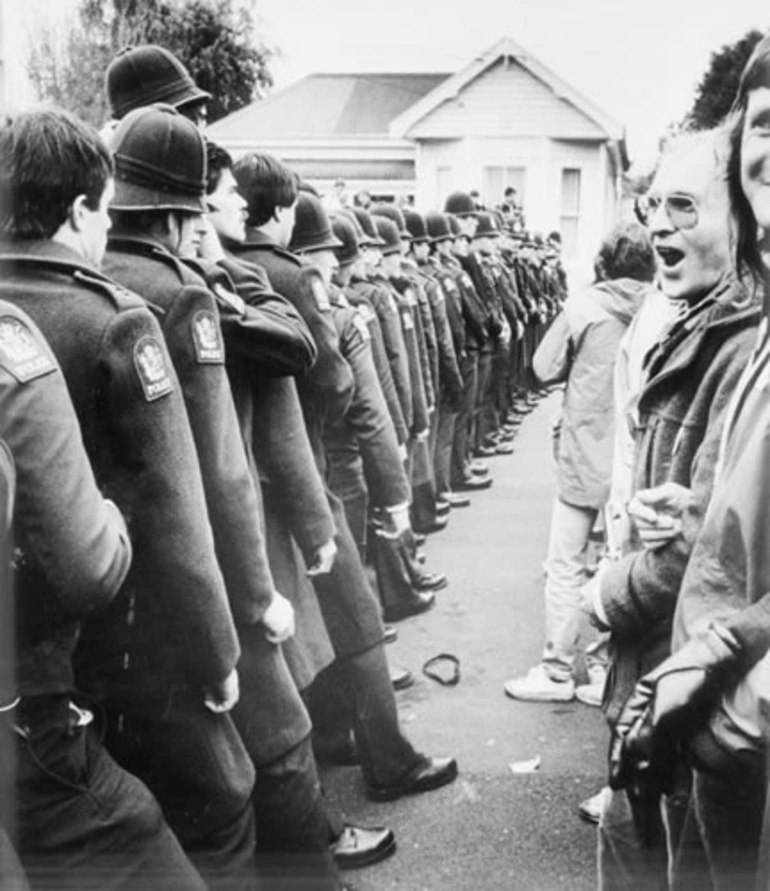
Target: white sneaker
<point x="592" y="693"/>
<point x="538" y="686"/>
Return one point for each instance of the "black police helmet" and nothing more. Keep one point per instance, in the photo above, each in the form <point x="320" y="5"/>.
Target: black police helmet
<point x="312" y="229"/>
<point x="461" y="204"/>
<point x="143" y="75"/>
<point x="160" y="162"/>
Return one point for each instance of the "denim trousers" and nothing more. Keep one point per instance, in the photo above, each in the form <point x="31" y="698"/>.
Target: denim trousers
<point x="565" y="568"/>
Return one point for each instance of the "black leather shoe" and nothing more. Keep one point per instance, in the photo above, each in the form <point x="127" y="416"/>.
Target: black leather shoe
<point x="430" y="581"/>
<point x="358" y="847"/>
<point x="430" y="773"/>
<point x="418" y="603"/>
<point x="484" y="451"/>
<point x="391" y="635"/>
<point x="434" y="526"/>
<point x="401" y="678"/>
<point x="472" y="483"/>
<point x="478" y="468"/>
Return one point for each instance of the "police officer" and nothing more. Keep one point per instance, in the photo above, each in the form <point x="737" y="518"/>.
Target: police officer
<point x="391" y="766"/>
<point x="442" y="294"/>
<point x="169" y="631"/>
<point x="465" y="474"/>
<point x="292" y="815"/>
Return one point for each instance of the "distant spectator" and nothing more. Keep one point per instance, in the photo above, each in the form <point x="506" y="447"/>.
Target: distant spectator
<point x="363" y="199"/>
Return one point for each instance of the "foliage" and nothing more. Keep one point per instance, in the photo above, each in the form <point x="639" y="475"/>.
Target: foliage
<point x="715" y="93"/>
<point x="215" y="41"/>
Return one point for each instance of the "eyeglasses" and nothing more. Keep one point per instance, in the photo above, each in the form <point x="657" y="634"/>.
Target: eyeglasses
<point x="681" y="210"/>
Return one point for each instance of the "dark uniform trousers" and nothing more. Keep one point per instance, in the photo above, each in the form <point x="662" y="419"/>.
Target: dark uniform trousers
<point x="78" y="819"/>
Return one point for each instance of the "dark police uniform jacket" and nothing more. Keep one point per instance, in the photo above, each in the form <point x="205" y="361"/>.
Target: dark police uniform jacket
<point x="350" y="608"/>
<point x="367" y="420"/>
<point x="385" y="305"/>
<point x="282" y="466"/>
<point x="72" y="546"/>
<point x="188" y="315"/>
<point x="171" y="620"/>
<point x="359" y="294"/>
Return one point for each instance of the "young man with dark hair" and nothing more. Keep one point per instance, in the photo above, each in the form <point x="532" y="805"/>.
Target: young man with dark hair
<point x="135" y="430"/>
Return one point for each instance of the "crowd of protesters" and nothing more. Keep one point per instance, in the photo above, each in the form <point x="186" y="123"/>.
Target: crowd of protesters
<point x="664" y="433"/>
<point x="233" y="410"/>
<point x="231" y="418"/>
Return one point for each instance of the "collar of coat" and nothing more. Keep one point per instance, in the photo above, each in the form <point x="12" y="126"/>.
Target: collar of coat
<point x="256" y="238"/>
<point x="46" y="254"/>
<point x="728" y="307"/>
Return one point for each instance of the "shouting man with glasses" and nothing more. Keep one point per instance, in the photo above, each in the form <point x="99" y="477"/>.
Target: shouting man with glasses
<point x="689" y="377"/>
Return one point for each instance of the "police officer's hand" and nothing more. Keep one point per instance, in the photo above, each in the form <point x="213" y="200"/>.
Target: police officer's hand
<point x="222" y="696"/>
<point x="324" y="559"/>
<point x="278" y="619"/>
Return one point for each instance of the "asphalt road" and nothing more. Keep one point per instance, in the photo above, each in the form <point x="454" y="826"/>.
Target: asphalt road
<point x="492" y="829"/>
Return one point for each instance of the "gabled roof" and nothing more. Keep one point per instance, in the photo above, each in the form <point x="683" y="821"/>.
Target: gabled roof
<point x="451" y="87"/>
<point x="324" y="105"/>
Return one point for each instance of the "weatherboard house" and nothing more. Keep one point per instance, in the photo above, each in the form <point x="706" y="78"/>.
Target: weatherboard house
<point x="504" y="119"/>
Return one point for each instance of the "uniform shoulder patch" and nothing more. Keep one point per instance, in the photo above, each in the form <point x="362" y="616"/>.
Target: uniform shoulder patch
<point x="320" y="295"/>
<point x="152" y="368"/>
<point x="22" y="351"/>
<point x="229" y="299"/>
<point x="407" y="320"/>
<point x="366" y="312"/>
<point x="363" y="329"/>
<point x="207" y="337"/>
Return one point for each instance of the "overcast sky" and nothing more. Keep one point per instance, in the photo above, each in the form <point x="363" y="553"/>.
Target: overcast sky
<point x="639" y="61"/>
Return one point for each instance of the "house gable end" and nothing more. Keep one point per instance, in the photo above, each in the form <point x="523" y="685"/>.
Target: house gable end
<point x="505" y="99"/>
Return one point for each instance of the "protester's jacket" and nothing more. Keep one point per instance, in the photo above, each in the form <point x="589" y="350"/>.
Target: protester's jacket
<point x="367" y="419"/>
<point x="187" y="312"/>
<point x="359" y="294"/>
<point x="580" y="348"/>
<point x="690" y="378"/>
<point x="727" y="579"/>
<point x="72" y="551"/>
<point x="172" y="612"/>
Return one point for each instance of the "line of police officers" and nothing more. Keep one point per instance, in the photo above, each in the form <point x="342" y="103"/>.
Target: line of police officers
<point x="233" y="396"/>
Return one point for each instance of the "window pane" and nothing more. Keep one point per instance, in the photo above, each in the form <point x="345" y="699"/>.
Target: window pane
<point x="570" y="192"/>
